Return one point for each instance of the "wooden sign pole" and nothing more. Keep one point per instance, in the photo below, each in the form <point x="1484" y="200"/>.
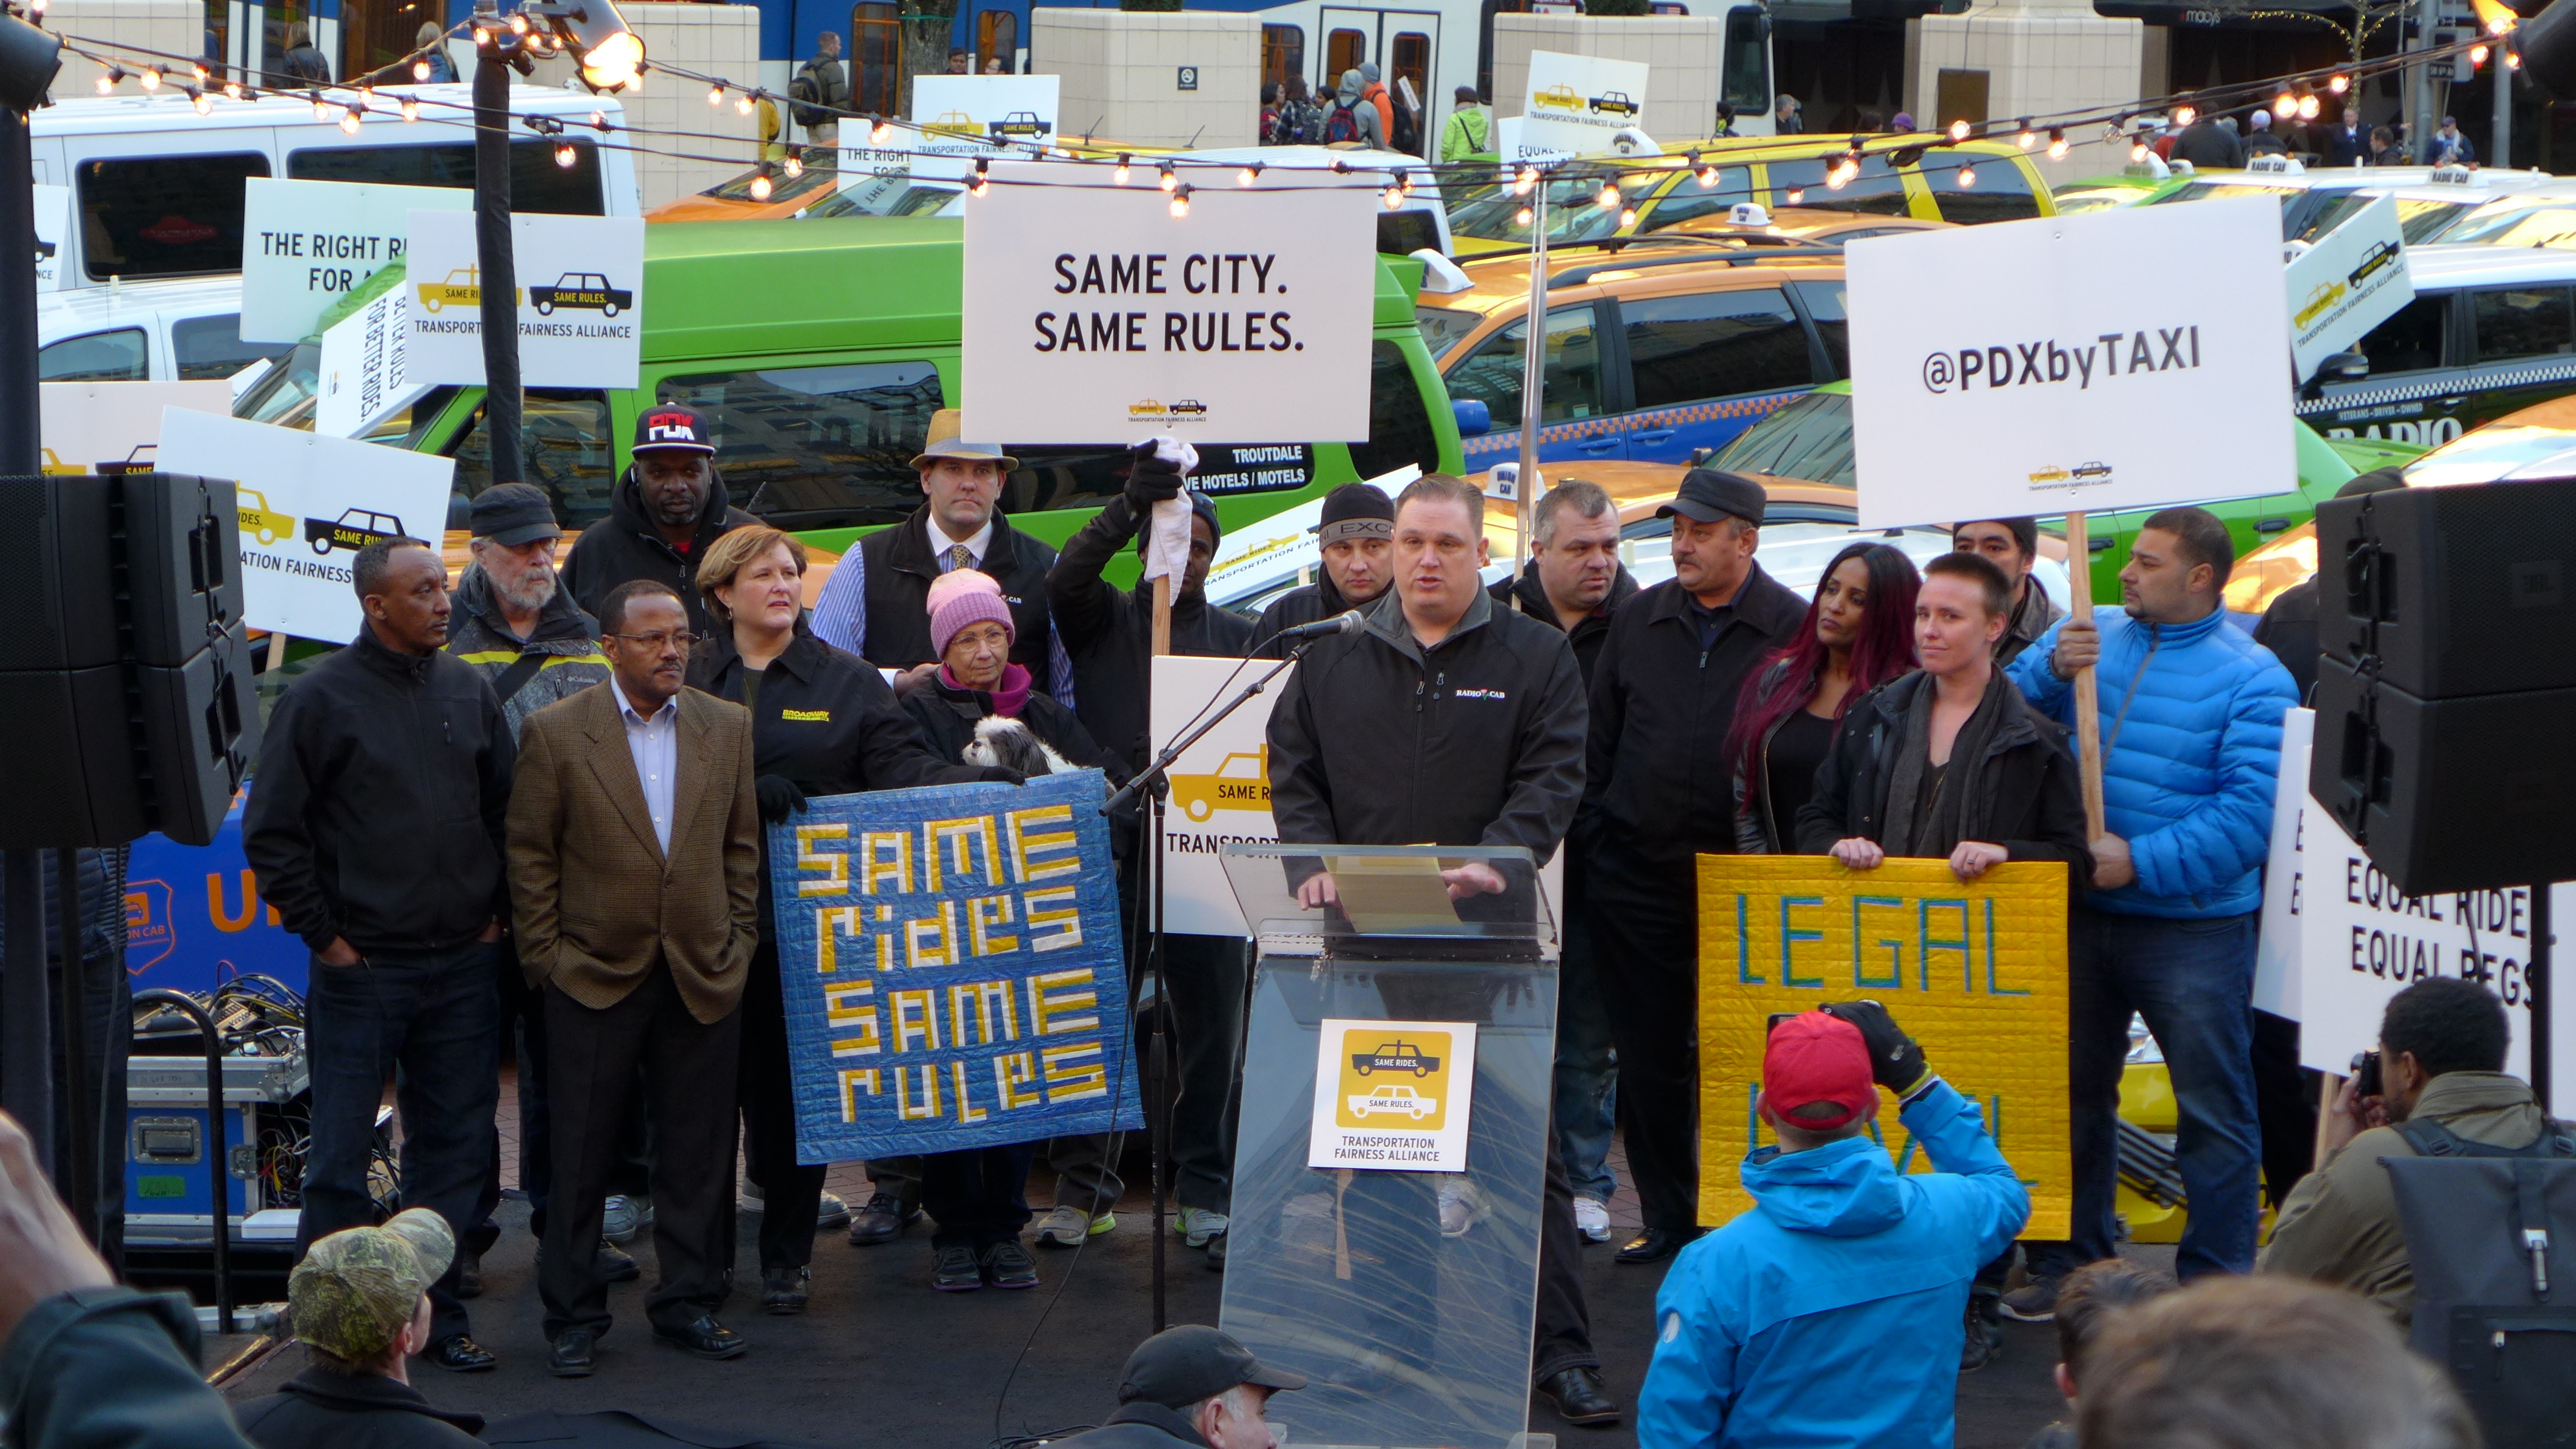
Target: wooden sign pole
<point x="1163" y="614"/>
<point x="2088" y="706"/>
<point x="276" y="649"/>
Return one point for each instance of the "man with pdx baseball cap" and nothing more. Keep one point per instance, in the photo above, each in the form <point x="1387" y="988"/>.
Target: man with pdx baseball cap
<point x="1830" y="1313"/>
<point x="1192" y="1385"/>
<point x="670" y="505"/>
<point x="359" y="1304"/>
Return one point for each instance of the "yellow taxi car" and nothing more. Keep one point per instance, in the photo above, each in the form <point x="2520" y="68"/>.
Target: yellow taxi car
<point x="261" y="522"/>
<point x="733" y="199"/>
<point x="1975" y="181"/>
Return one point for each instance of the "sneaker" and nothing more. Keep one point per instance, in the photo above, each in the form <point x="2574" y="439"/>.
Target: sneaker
<point x="1069" y="1227"/>
<point x="1007" y="1265"/>
<point x="956" y="1271"/>
<point x="1197" y="1225"/>
<point x="832" y="1212"/>
<point x="623" y="1217"/>
<point x="1460" y="1206"/>
<point x="1981" y="1344"/>
<point x="750" y="1203"/>
<point x="2034" y="1302"/>
<point x="1592" y="1219"/>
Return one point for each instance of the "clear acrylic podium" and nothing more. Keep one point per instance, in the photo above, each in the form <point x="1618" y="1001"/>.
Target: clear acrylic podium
<point x="1413" y="1336"/>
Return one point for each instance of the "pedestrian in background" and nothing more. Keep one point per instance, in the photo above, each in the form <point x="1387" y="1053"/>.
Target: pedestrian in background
<point x="2384" y="150"/>
<point x="1356" y="538"/>
<point x="2349" y="143"/>
<point x="302" y="64"/>
<point x="2258" y="138"/>
<point x="358" y="1302"/>
<point x="634" y="839"/>
<point x="431" y="43"/>
<point x="1301" y="121"/>
<point x="1374" y="91"/>
<point x="1858" y="635"/>
<point x="2208" y="145"/>
<point x="2191" y="749"/>
<point x="1353" y="117"/>
<point x="2012" y="544"/>
<point x="1468" y="131"/>
<point x="820" y="91"/>
<point x="376" y="832"/>
<point x="1788" y="117"/>
<point x="2449" y="148"/>
<point x="1270" y="114"/>
<point x="997" y="65"/>
<point x="667" y="509"/>
<point x="961" y="62"/>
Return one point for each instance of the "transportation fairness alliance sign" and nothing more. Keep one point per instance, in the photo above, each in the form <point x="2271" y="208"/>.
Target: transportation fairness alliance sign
<point x="580" y="300"/>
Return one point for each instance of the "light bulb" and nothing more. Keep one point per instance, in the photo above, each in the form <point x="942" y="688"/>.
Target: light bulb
<point x="1967" y="175"/>
<point x="1609" y="196"/>
<point x="2184" y="115"/>
<point x="2111" y="129"/>
<point x="539" y="44"/>
<point x="2057" y="143"/>
<point x="1521" y="217"/>
<point x="1628" y="216"/>
<point x="1959" y="130"/>
<point x="1181" y="203"/>
<point x="599" y="121"/>
<point x="743" y="105"/>
<point x="1404" y="181"/>
<point x="2028" y="137"/>
<point x="2307" y="108"/>
<point x="2285" y="105"/>
<point x="565" y="155"/>
<point x="795" y="168"/>
<point x="349" y="121"/>
<point x="1248" y="175"/>
<point x="151" y="78"/>
<point x="1120" y="174"/>
<point x="880" y="133"/>
<point x="2338" y="84"/>
<point x="1169" y="180"/>
<point x="976" y="186"/>
<point x="1797" y="195"/>
<point x="106" y="84"/>
<point x="715" y="95"/>
<point x="2138" y="153"/>
<point x="201" y="71"/>
<point x="2500" y="25"/>
<point x="2513" y="60"/>
<point x="1392" y="197"/>
<point x="205" y="104"/>
<point x="232" y="90"/>
<point x="2477" y="55"/>
<point x="1707" y="177"/>
<point x="760" y="187"/>
<point x="482" y="37"/>
<point x="420" y="70"/>
<point x="321" y="107"/>
<point x="410" y="109"/>
<point x="519" y="24"/>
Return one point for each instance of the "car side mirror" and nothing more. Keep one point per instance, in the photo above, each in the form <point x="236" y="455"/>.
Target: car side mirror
<point x="1474" y="418"/>
<point x="2337" y="367"/>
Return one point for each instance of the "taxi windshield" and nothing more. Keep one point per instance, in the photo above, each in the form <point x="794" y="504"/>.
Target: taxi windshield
<point x="1574" y="210"/>
<point x="2519" y="223"/>
<point x="1810" y="438"/>
<point x="781" y="187"/>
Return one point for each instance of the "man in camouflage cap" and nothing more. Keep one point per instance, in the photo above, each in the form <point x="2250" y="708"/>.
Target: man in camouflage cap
<point x="359" y="1304"/>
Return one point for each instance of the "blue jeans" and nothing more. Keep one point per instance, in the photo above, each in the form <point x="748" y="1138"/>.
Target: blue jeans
<point x="433" y="1018"/>
<point x="2193" y="981"/>
<point x="1587" y="1072"/>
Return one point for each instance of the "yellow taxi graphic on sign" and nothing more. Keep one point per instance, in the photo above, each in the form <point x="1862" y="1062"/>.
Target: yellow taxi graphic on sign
<point x="1241" y="782"/>
<point x="1367" y="1098"/>
<point x="259" y="521"/>
<point x="1557" y="98"/>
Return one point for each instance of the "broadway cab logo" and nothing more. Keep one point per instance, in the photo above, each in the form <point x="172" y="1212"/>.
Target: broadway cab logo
<point x="1393" y="1096"/>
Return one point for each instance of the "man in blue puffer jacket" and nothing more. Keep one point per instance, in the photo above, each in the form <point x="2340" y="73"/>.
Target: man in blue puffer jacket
<point x="2191" y="746"/>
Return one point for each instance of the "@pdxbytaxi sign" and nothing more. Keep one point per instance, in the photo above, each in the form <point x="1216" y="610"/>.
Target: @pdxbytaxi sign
<point x="2015" y="369"/>
<point x="1393" y="1096"/>
<point x="1093" y="315"/>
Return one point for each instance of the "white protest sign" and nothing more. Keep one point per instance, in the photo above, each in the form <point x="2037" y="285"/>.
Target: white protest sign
<point x="53" y="229"/>
<point x="308" y="244"/>
<point x="580" y="296"/>
<point x="308" y="504"/>
<point x="1393" y="1096"/>
<point x="966" y="116"/>
<point x="1097" y="316"/>
<point x="2056" y="391"/>
<point x="1579" y="103"/>
<point x="2361" y="941"/>
<point x="863" y="166"/>
<point x="364" y="379"/>
<point x="2352" y="280"/>
<point x="84" y="424"/>
<point x="2276" y="950"/>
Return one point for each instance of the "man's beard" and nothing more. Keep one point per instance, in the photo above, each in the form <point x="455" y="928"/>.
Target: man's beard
<point x="532" y="595"/>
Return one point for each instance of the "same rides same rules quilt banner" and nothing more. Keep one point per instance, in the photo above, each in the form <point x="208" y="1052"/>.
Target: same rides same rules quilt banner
<point x="953" y="968"/>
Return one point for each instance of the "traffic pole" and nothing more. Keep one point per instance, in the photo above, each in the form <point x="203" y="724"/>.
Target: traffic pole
<point x="496" y="47"/>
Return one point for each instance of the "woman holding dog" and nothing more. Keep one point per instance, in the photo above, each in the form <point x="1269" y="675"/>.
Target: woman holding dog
<point x="823" y="722"/>
<point x="972" y="631"/>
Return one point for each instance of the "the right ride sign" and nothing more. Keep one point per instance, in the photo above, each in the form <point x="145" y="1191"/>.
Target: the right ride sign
<point x="2119" y="359"/>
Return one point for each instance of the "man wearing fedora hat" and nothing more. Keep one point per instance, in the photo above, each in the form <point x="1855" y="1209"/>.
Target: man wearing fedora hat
<point x="876" y="604"/>
<point x="1655" y="795"/>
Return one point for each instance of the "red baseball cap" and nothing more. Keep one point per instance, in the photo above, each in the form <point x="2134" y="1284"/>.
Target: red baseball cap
<point x="1815" y="1057"/>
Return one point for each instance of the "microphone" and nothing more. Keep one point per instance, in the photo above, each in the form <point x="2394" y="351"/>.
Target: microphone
<point x="1346" y="622"/>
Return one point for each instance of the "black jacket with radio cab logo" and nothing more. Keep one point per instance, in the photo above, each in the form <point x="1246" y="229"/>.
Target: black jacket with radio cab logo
<point x="1475" y="741"/>
<point x="824" y="718"/>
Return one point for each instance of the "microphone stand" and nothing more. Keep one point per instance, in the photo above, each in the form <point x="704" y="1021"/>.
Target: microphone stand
<point x="1160" y="1128"/>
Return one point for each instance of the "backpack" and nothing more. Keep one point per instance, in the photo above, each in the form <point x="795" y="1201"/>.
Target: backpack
<point x="805" y="97"/>
<point x="2491" y="1239"/>
<point x="1341" y="125"/>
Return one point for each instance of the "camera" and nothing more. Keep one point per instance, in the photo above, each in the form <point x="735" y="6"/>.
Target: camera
<point x="2365" y="1074"/>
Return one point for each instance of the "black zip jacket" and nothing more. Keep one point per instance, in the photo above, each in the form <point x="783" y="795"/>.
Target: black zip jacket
<point x="1303" y="604"/>
<point x="1657" y="787"/>
<point x="826" y="719"/>
<point x="1757" y="830"/>
<point x="317" y="1410"/>
<point x="376" y="811"/>
<point x="1589" y="633"/>
<point x="1477" y="741"/>
<point x="625" y="545"/>
<point x="2038" y="808"/>
<point x="947" y="716"/>
<point x="1109" y="636"/>
<point x="900" y="568"/>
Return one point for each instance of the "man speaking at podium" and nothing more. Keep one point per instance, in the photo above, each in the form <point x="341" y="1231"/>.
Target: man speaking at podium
<point x="1448" y="721"/>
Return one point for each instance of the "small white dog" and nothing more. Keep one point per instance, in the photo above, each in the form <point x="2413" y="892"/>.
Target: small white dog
<point x="1001" y="740"/>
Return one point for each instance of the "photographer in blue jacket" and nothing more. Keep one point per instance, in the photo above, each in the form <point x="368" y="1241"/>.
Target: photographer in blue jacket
<point x="1831" y="1313"/>
<point x="2191" y="713"/>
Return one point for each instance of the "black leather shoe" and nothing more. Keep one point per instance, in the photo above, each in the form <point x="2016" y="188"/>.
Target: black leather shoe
<point x="469" y="1272"/>
<point x="461" y="1355"/>
<point x="616" y="1265"/>
<point x="571" y="1358"/>
<point x="1007" y="1265"/>
<point x="1980" y="1347"/>
<point x="783" y="1290"/>
<point x="1576" y="1392"/>
<point x="704" y="1337"/>
<point x="881" y="1221"/>
<point x="1216" y="1253"/>
<point x="1653" y="1245"/>
<point x="957" y="1270"/>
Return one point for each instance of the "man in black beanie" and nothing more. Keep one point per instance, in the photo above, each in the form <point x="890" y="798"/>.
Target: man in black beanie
<point x="1357" y="537"/>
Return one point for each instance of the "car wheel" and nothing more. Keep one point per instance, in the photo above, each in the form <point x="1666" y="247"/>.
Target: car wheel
<point x="546" y="308"/>
<point x="1199" y="810"/>
<point x="322" y="546"/>
<point x="610" y="310"/>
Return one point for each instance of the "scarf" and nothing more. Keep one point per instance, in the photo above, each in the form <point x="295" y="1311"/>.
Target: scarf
<point x="1958" y="804"/>
<point x="1007" y="697"/>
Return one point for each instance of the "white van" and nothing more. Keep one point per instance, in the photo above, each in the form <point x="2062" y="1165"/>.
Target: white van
<point x="157" y="188"/>
<point x="186" y="329"/>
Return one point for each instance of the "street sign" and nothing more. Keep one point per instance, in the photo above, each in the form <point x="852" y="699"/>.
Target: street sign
<point x="306" y="245"/>
<point x="1580" y="103"/>
<point x="308" y="504"/>
<point x="364" y="377"/>
<point x="1095" y="315"/>
<point x="53" y="222"/>
<point x="580" y="294"/>
<point x="979" y="115"/>
<point x="2352" y="280"/>
<point x="2023" y="367"/>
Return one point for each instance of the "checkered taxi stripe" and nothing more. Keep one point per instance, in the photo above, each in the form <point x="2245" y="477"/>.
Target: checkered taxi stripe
<point x="2440" y="385"/>
<point x="1748" y="408"/>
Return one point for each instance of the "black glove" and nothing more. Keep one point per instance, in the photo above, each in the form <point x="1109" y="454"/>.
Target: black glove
<point x="1151" y="479"/>
<point x="780" y="797"/>
<point x="1002" y="775"/>
<point x="1895" y="1060"/>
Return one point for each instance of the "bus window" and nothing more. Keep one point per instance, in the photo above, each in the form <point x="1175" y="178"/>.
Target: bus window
<point x="997" y="37"/>
<point x="537" y="183"/>
<point x="876" y="60"/>
<point x="210" y="347"/>
<point x="164" y="216"/>
<point x="1399" y="420"/>
<point x="117" y="356"/>
<point x="1411" y="53"/>
<point x="1343" y="50"/>
<point x="818" y="447"/>
<point x="1283" y="54"/>
<point x="1745" y="79"/>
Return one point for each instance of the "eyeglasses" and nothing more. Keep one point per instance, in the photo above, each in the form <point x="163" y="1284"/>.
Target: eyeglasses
<point x="659" y="637"/>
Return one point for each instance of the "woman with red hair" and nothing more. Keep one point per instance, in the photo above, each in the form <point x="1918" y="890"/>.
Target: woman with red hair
<point x="1858" y="636"/>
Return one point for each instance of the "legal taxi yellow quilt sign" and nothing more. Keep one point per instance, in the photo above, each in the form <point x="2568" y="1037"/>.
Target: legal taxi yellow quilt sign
<point x="1975" y="971"/>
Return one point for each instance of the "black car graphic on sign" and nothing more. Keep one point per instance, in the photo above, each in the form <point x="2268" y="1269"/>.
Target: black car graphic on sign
<point x="44" y="250"/>
<point x="2371" y="261"/>
<point x="1613" y="103"/>
<point x="2092" y="470"/>
<point x="1394" y="1056"/>
<point x="1018" y="123"/>
<point x="352" y="530"/>
<point x="1190" y="406"/>
<point x="581" y="289"/>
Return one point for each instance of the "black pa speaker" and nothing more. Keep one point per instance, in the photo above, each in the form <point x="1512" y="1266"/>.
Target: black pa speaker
<point x="2456" y="591"/>
<point x="2447" y="794"/>
<point x="180" y="537"/>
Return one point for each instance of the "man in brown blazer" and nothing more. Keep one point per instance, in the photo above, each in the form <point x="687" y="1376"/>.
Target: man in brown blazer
<point x="634" y="856"/>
